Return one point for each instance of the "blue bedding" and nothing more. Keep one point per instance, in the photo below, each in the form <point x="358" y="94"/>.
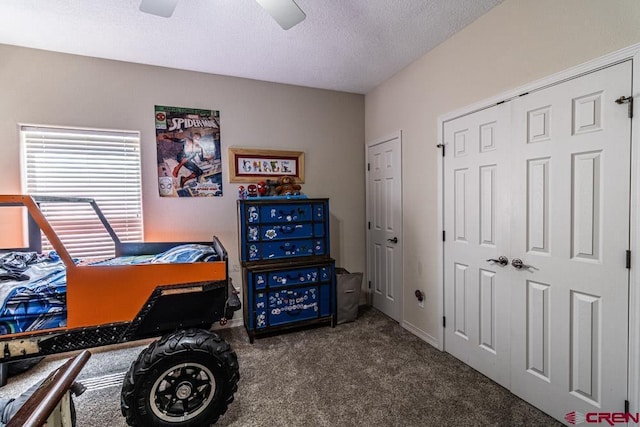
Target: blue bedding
<point x="179" y="254"/>
<point x="34" y="296"/>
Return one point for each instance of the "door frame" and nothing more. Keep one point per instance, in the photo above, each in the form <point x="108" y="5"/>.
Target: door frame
<point x="395" y="135"/>
<point x="628" y="53"/>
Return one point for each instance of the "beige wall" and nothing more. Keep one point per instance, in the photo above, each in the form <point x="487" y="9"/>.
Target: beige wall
<point x="515" y="43"/>
<point x="47" y="88"/>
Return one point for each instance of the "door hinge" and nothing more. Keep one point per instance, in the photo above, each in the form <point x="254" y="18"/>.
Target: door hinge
<point x="441" y="146"/>
<point x="628" y="259"/>
<point x="626" y="406"/>
<point x="369" y="284"/>
<point x="625" y="100"/>
<point x="444" y="321"/>
<point x="444" y="237"/>
<point x="368" y="166"/>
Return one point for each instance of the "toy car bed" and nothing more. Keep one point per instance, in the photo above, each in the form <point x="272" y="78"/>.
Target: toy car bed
<point x="33" y="286"/>
<point x="150" y="289"/>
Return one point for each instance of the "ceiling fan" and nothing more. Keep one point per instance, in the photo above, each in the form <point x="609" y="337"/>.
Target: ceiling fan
<point x="286" y="12"/>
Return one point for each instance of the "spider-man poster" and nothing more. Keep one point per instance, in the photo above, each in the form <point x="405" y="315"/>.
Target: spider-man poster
<point x="188" y="142"/>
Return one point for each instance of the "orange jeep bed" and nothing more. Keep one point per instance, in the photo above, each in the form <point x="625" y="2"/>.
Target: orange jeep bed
<point x="107" y="303"/>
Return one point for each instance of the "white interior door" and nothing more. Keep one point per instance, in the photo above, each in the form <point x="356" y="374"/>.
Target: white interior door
<point x="384" y="219"/>
<point x="477" y="235"/>
<point x="570" y="222"/>
<point x="561" y="187"/>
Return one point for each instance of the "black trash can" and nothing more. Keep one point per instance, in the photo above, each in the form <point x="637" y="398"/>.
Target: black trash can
<point x="348" y="287"/>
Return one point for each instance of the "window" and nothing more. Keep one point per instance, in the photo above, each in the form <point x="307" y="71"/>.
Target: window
<point x="100" y="164"/>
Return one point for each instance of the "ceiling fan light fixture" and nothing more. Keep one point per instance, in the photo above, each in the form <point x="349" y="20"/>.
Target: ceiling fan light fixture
<point x="286" y="12"/>
<point x="162" y="8"/>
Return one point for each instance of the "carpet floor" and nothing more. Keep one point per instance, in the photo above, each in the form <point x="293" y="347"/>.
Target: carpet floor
<point x="370" y="372"/>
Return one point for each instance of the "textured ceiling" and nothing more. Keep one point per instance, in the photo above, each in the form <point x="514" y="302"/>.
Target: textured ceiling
<point x="345" y="45"/>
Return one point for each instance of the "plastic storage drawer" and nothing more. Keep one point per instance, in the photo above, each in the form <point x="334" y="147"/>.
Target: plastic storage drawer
<point x="283" y="229"/>
<point x="285" y="295"/>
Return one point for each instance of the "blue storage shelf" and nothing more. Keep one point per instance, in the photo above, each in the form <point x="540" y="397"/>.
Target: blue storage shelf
<point x="288" y="277"/>
<point x="283" y="229"/>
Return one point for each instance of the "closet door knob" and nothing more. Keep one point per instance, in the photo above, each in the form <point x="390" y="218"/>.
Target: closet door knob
<point x="519" y="265"/>
<point x="502" y="260"/>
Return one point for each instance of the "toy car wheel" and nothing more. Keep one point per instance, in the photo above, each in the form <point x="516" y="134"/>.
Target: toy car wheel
<point x="21" y="366"/>
<point x="187" y="378"/>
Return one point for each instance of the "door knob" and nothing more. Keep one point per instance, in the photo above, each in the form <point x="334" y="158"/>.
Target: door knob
<point x="502" y="260"/>
<point x="394" y="240"/>
<point x="518" y="264"/>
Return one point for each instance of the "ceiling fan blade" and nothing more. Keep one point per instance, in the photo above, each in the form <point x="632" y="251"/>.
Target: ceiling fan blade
<point x="162" y="8"/>
<point x="285" y="12"/>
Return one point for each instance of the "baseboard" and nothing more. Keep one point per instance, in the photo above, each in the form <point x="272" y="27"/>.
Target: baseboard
<point x="421" y="334"/>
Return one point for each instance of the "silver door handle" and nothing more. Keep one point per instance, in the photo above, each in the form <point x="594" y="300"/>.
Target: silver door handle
<point x="394" y="240"/>
<point x="502" y="260"/>
<point x="518" y="264"/>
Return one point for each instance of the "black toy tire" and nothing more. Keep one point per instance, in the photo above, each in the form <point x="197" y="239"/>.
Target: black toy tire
<point x="20" y="366"/>
<point x="191" y="368"/>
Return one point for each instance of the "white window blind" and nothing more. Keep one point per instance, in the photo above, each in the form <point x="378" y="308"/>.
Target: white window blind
<point x="100" y="164"/>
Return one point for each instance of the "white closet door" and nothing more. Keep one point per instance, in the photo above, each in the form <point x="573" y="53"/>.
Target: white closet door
<point x="477" y="293"/>
<point x="551" y="193"/>
<point x="570" y="224"/>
